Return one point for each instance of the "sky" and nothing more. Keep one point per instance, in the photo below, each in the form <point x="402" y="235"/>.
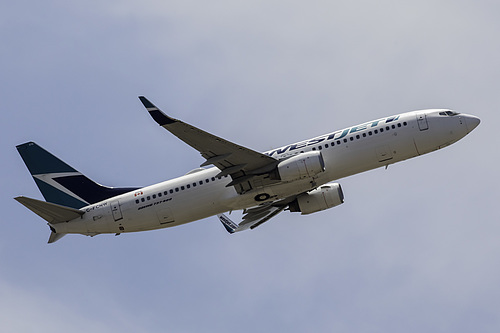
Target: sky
<point x="414" y="248"/>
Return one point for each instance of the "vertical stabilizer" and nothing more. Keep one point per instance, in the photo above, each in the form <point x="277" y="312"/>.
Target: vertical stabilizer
<point x="60" y="183"/>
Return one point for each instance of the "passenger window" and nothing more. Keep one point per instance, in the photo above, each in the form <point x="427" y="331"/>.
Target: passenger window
<point x="142" y="199"/>
<point x="375" y="131"/>
<point x="399" y="124"/>
<point x="357" y="136"/>
<point x="345" y="140"/>
<point x="148" y="197"/>
<point x="165" y="193"/>
<point x="405" y="123"/>
<point x="213" y="179"/>
<point x="176" y="189"/>
<point x="370" y="133"/>
<point x="326" y="145"/>
<point x="387" y="128"/>
<point x="194" y="184"/>
<point x="320" y="147"/>
<point x="188" y="186"/>
<point x="393" y="126"/>
<point x="338" y="142"/>
<point x="159" y="195"/>
<point x="364" y="135"/>
<point x="137" y="201"/>
<point x="381" y="130"/>
<point x="171" y="191"/>
<point x="154" y="196"/>
<point x="182" y="188"/>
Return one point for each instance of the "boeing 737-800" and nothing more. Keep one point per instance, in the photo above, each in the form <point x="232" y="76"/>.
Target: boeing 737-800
<point x="296" y="177"/>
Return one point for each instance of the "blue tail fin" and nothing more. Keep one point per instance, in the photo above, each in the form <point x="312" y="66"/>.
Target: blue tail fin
<point x="60" y="183"/>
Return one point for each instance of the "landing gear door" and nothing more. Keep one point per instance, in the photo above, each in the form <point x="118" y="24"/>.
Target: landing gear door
<point x="422" y="122"/>
<point x="117" y="212"/>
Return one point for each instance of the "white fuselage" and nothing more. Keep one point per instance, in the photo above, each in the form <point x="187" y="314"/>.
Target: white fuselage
<point x="200" y="194"/>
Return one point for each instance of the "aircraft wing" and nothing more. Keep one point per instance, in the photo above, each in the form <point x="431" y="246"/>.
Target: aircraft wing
<point x="248" y="169"/>
<point x="252" y="219"/>
<point x="255" y="216"/>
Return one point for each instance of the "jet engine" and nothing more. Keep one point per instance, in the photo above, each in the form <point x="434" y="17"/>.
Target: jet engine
<point x="304" y="165"/>
<point x="321" y="198"/>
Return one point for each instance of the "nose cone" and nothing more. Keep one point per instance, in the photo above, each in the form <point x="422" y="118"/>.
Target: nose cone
<point x="471" y="122"/>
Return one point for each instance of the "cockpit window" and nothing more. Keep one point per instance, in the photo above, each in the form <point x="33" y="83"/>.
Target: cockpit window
<point x="448" y="113"/>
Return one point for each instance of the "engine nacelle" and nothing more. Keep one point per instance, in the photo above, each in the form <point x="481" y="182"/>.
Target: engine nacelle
<point x="321" y="198"/>
<point x="304" y="165"/>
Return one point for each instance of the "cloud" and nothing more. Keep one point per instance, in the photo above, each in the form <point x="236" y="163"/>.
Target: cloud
<point x="413" y="248"/>
<point x="25" y="310"/>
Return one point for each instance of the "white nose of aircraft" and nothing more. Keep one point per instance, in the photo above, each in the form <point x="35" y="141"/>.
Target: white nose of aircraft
<point x="471" y="122"/>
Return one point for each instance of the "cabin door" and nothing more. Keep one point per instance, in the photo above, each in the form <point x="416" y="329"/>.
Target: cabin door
<point x="422" y="122"/>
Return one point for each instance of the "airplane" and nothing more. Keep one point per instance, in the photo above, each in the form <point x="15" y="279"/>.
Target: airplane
<point x="299" y="177"/>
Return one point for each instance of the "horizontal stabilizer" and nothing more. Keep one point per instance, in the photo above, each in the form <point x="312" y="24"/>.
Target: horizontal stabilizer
<point x="50" y="212"/>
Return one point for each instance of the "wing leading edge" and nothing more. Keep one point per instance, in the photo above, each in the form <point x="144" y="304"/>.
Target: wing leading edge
<point x="248" y="169"/>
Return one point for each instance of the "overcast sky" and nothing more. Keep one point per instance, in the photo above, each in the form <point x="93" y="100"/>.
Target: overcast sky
<point x="415" y="248"/>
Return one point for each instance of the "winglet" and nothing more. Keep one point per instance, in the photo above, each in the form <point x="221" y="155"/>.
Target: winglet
<point x="230" y="226"/>
<point x="161" y="118"/>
